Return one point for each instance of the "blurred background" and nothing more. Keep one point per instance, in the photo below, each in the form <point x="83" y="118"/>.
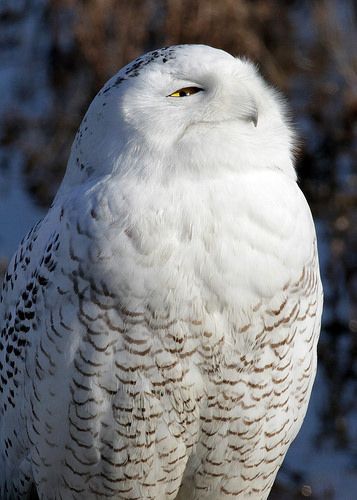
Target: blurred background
<point x="56" y="54"/>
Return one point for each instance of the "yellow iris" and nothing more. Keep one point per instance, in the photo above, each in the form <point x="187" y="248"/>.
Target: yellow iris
<point x="186" y="91"/>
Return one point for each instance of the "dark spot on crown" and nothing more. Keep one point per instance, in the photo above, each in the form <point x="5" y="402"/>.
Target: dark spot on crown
<point x="42" y="280"/>
<point x="133" y="69"/>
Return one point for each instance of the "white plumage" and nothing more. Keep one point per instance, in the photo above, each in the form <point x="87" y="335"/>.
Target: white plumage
<point x="159" y="325"/>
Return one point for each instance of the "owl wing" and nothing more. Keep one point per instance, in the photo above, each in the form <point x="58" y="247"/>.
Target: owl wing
<point x="86" y="368"/>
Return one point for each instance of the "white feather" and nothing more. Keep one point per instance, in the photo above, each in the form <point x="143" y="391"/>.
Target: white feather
<point x="172" y="337"/>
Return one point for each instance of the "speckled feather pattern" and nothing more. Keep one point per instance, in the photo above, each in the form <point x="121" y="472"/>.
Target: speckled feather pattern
<point x="159" y="325"/>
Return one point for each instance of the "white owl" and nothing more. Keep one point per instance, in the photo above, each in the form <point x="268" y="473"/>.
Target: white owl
<point x="159" y="325"/>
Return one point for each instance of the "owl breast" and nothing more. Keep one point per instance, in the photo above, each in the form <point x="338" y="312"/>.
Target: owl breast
<point x="193" y="339"/>
<point x="177" y="340"/>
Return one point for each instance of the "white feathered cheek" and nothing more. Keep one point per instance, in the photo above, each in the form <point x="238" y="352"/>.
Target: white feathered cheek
<point x="239" y="104"/>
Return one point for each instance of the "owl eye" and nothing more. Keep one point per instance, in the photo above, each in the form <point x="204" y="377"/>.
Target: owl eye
<point x="186" y="91"/>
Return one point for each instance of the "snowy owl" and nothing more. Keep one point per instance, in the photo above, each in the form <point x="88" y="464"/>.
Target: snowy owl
<point x="159" y="325"/>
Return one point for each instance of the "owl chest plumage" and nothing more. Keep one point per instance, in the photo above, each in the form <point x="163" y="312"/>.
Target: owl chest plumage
<point x="162" y="353"/>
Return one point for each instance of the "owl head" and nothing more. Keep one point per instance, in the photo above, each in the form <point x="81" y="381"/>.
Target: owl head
<point x="187" y="109"/>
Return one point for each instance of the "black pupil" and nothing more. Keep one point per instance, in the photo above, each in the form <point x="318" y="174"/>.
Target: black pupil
<point x="183" y="93"/>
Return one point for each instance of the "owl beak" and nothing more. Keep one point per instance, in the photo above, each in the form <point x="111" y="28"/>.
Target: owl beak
<point x="254" y="116"/>
<point x="251" y="112"/>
